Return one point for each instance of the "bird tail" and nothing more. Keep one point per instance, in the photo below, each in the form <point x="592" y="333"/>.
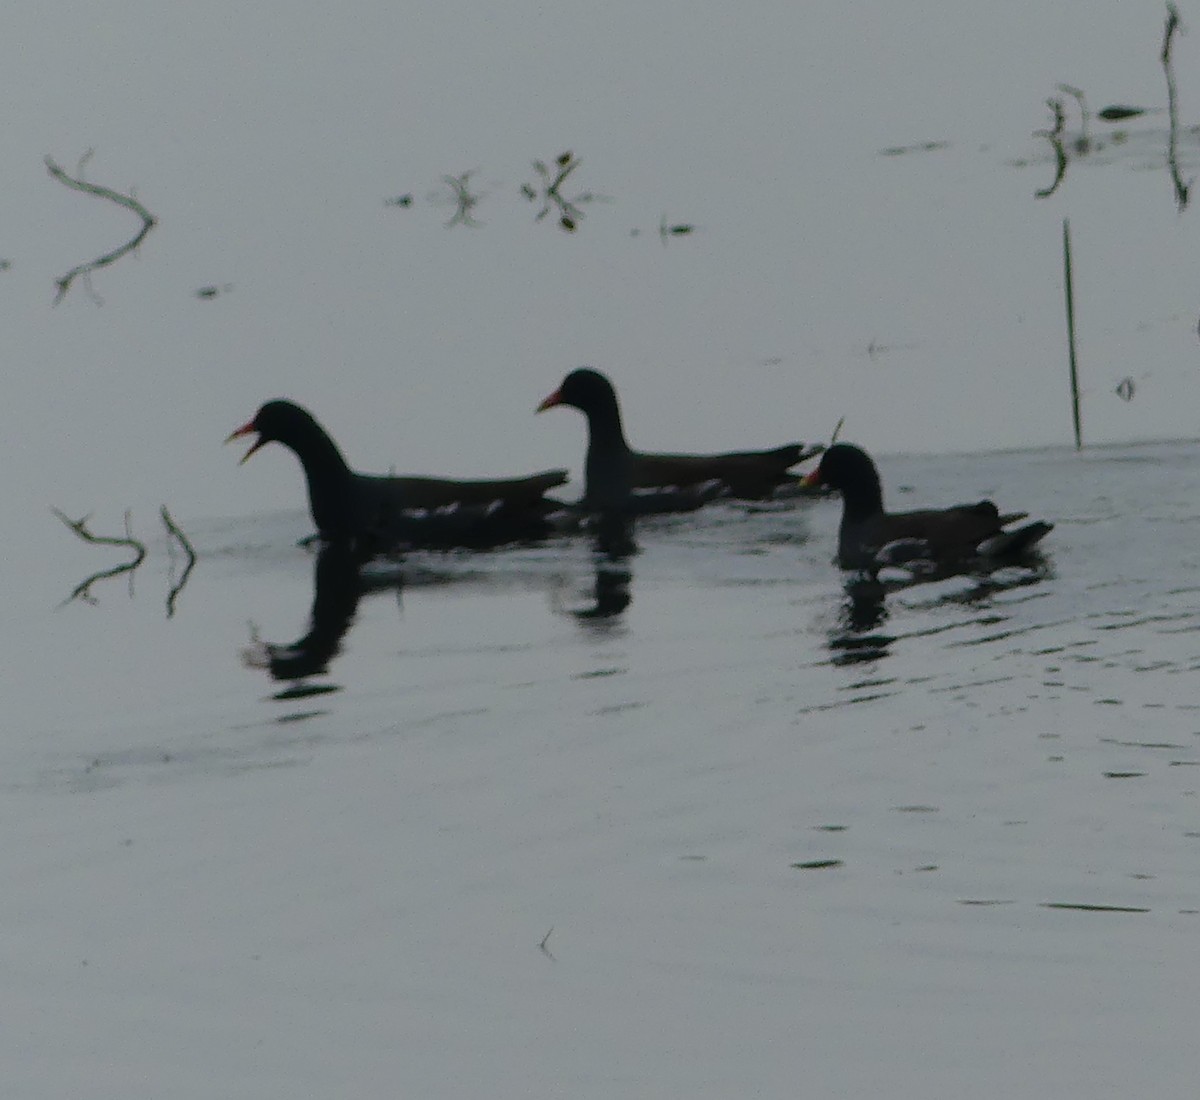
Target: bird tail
<point x="1010" y="544"/>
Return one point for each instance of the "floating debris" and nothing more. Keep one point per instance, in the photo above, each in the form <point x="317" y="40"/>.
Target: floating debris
<point x="1085" y="908"/>
<point x="679" y="229"/>
<point x="1119" y="114"/>
<point x="1125" y="389"/>
<point x="399" y="200"/>
<point x="817" y="864"/>
<point x="209" y="292"/>
<point x="920" y="147"/>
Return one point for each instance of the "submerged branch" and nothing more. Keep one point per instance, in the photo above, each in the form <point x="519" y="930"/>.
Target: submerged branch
<point x="78" y="183"/>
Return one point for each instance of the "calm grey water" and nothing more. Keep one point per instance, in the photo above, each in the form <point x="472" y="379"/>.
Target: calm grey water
<point x="784" y="842"/>
<point x="973" y="818"/>
<point x="1108" y="614"/>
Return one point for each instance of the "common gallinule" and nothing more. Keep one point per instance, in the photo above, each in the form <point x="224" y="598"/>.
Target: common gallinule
<point x="391" y="513"/>
<point x="613" y="470"/>
<point x="870" y="538"/>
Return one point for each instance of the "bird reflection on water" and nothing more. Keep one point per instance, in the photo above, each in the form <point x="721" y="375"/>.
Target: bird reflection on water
<point x="610" y="591"/>
<point x="858" y="637"/>
<point x="337" y="587"/>
<point x="613" y="545"/>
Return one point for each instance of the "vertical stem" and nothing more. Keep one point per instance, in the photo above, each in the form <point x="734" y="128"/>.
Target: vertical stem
<point x="1071" y="334"/>
<point x="1181" y="188"/>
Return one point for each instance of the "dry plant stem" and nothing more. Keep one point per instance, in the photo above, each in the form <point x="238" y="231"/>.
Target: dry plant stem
<point x="1070" y="294"/>
<point x="1181" y="188"/>
<point x="82" y="591"/>
<point x="78" y="183"/>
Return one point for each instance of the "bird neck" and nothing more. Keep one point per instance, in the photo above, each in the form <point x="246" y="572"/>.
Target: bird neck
<point x="608" y="468"/>
<point x="604" y="424"/>
<point x="329" y="480"/>
<point x="863" y="499"/>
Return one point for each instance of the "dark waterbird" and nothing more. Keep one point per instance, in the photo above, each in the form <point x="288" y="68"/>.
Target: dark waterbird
<point x="614" y="472"/>
<point x="870" y="538"/>
<point x="379" y="514"/>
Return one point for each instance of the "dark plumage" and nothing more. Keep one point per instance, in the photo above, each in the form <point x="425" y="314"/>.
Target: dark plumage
<point x="613" y="469"/>
<point x="385" y="513"/>
<point x="870" y="538"/>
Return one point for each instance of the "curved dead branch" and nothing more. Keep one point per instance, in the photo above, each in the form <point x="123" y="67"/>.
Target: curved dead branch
<point x="82" y="591"/>
<point x="78" y="183"/>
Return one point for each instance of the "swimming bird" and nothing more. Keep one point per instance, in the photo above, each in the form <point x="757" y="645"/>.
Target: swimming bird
<point x="614" y="471"/>
<point x="870" y="538"/>
<point x="381" y="513"/>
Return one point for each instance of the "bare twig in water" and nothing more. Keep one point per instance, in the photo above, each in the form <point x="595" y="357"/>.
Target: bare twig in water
<point x="837" y="430"/>
<point x="174" y="531"/>
<point x="82" y="590"/>
<point x="542" y="946"/>
<point x="78" y="183"/>
<point x="1055" y="137"/>
<point x="1181" y="188"/>
<point x="569" y="212"/>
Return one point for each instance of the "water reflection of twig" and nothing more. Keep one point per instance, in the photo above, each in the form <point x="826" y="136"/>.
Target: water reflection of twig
<point x="85" y="270"/>
<point x="1181" y="188"/>
<point x="174" y="532"/>
<point x="464" y="197"/>
<point x="82" y="591"/>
